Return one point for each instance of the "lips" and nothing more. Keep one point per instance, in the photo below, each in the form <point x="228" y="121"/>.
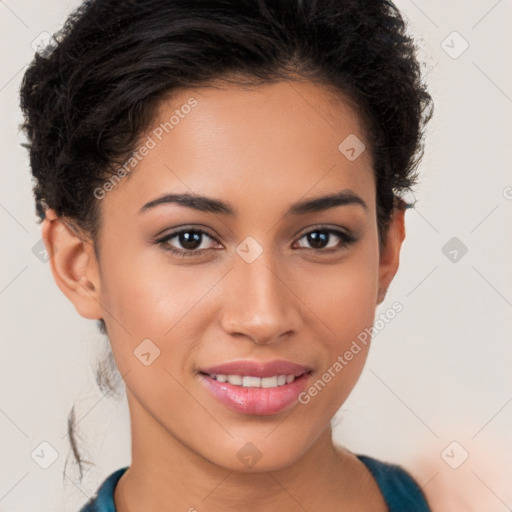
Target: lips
<point x="256" y="388"/>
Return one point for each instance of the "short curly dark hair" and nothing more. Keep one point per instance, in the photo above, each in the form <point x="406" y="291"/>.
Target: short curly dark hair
<point x="88" y="100"/>
<point x="87" y="103"/>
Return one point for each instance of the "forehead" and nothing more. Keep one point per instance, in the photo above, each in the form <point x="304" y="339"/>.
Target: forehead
<point x="270" y="144"/>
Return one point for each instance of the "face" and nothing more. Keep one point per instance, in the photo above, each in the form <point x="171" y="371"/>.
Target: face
<point x="260" y="279"/>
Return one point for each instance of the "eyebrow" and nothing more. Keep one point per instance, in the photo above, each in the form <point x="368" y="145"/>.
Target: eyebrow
<point x="210" y="205"/>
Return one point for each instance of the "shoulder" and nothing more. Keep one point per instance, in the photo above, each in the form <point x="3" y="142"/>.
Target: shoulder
<point x="103" y="501"/>
<point x="400" y="491"/>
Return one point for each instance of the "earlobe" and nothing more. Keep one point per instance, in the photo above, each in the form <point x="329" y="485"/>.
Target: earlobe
<point x="390" y="255"/>
<point x="74" y="266"/>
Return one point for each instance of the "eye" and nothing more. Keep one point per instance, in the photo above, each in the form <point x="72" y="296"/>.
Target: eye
<point x="186" y="242"/>
<point x="192" y="241"/>
<point x="328" y="240"/>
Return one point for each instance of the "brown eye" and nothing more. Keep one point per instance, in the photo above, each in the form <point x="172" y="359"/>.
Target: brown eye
<point x="327" y="239"/>
<point x="189" y="240"/>
<point x="186" y="242"/>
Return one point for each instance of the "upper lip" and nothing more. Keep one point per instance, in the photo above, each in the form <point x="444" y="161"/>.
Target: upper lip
<point x="257" y="368"/>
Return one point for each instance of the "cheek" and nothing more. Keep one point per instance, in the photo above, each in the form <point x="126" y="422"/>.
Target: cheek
<point x="343" y="296"/>
<point x="149" y="298"/>
<point x="343" y="299"/>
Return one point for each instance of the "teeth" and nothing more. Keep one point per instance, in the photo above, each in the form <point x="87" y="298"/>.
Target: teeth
<point x="236" y="380"/>
<point x="251" y="382"/>
<point x="248" y="381"/>
<point x="269" y="382"/>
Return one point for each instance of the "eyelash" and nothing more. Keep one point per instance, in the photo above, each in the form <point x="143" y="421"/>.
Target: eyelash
<point x="346" y="241"/>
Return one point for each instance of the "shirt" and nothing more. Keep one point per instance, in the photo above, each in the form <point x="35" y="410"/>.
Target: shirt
<point x="401" y="493"/>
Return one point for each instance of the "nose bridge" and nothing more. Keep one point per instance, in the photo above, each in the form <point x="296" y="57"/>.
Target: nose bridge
<point x="258" y="302"/>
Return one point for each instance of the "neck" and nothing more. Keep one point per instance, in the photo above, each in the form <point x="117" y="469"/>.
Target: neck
<point x="165" y="474"/>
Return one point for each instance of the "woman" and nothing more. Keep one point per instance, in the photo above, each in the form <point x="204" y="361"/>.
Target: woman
<point x="220" y="185"/>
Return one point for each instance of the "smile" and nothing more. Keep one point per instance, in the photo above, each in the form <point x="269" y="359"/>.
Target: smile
<point x="256" y="387"/>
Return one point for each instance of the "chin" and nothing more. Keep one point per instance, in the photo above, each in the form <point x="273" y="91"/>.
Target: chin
<point x="260" y="453"/>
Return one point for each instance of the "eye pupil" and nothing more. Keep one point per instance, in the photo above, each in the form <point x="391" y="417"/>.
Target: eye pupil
<point x="190" y="239"/>
<point x="317" y="239"/>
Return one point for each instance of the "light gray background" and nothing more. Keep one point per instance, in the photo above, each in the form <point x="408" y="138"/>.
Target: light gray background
<point x="438" y="373"/>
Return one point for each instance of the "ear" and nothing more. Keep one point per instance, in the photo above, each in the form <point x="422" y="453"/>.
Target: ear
<point x="390" y="254"/>
<point x="74" y="265"/>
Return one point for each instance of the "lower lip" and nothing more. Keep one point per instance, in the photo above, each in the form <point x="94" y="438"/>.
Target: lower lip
<point x="256" y="401"/>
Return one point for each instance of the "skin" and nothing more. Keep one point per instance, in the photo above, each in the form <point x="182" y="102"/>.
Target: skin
<point x="260" y="149"/>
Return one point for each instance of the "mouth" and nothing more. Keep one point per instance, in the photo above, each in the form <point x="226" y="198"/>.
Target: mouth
<point x="256" y="388"/>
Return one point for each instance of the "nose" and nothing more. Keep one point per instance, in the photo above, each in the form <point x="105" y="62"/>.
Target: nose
<point x="260" y="303"/>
